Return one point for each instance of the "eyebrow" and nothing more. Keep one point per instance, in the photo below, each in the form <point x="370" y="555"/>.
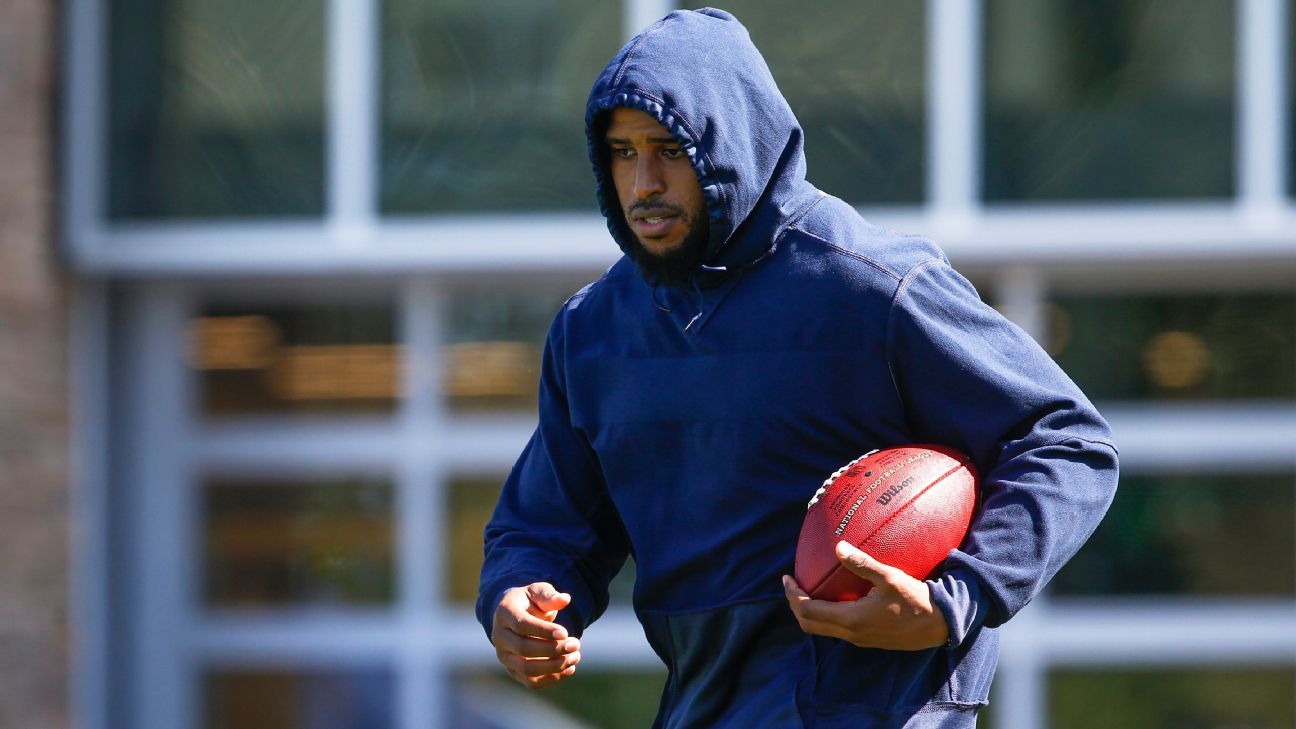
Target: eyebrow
<point x="655" y="140"/>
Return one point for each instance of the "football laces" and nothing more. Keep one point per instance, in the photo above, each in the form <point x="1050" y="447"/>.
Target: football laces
<point x="836" y="474"/>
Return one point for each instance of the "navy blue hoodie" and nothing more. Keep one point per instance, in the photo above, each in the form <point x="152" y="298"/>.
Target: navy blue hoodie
<point x="688" y="424"/>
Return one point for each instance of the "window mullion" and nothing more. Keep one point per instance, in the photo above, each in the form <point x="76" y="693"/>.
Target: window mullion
<point x="1262" y="124"/>
<point x="352" y="107"/>
<point x="953" y="107"/>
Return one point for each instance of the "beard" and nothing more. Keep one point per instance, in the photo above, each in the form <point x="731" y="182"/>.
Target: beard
<point x="678" y="264"/>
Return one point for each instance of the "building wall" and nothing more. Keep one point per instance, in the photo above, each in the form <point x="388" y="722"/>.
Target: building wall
<point x="34" y="432"/>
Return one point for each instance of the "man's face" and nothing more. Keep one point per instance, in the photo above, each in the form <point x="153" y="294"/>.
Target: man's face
<point x="658" y="190"/>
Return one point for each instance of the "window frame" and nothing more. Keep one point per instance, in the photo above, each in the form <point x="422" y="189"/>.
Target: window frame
<point x="163" y="268"/>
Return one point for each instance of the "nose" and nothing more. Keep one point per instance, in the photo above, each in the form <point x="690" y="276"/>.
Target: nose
<point x="648" y="179"/>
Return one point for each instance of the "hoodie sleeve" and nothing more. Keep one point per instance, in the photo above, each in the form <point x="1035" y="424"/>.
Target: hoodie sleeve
<point x="972" y="380"/>
<point x="554" y="521"/>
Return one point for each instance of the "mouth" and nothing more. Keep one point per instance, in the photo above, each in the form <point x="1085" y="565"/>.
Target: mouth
<point x="654" y="226"/>
<point x="653" y="223"/>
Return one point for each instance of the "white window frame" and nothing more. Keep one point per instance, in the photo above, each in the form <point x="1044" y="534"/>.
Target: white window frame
<point x="1246" y="242"/>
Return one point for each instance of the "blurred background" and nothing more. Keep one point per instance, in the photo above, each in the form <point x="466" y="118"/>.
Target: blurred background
<point x="275" y="274"/>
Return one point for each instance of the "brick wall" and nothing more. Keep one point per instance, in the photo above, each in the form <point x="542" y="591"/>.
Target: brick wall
<point x="34" y="458"/>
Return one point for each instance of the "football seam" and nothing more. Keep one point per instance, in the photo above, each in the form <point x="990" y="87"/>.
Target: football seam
<point x="886" y="521"/>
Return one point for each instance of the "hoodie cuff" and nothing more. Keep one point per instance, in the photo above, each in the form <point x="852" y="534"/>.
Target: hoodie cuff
<point x="486" y="604"/>
<point x="957" y="594"/>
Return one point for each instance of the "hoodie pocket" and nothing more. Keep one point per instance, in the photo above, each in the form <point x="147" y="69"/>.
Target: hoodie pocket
<point x="934" y="687"/>
<point x="877" y="679"/>
<point x="735" y="665"/>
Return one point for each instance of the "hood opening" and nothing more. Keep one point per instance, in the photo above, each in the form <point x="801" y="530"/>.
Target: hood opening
<point x="598" y="114"/>
<point x="698" y="74"/>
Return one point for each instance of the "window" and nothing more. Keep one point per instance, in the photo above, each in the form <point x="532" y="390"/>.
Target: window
<point x="285" y="699"/>
<point x="296" y="358"/>
<point x="483" y="103"/>
<point x="292" y="543"/>
<point x="471" y="502"/>
<point x="294" y="480"/>
<point x="854" y="73"/>
<point x="1175" y="348"/>
<point x="1191" y="535"/>
<point x="495" y="339"/>
<point x="1111" y="100"/>
<point x="216" y="108"/>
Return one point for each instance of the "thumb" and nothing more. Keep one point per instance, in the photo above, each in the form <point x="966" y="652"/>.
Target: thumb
<point x="861" y="564"/>
<point x="545" y="599"/>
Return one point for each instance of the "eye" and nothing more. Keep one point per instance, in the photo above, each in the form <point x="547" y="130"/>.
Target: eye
<point x="672" y="153"/>
<point x="622" y="152"/>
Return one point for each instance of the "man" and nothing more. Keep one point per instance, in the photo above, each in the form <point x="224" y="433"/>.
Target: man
<point x="757" y="335"/>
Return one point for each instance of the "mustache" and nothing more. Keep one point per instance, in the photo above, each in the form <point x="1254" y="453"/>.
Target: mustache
<point x="652" y="208"/>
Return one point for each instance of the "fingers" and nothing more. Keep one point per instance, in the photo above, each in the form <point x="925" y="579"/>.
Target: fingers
<point x="545" y="598"/>
<point x="900" y="619"/>
<point x="539" y="667"/>
<point x="538" y="672"/>
<point x="509" y="642"/>
<point x="801" y="603"/>
<point x="820" y="617"/>
<point x="517" y="613"/>
<point x="793" y="590"/>
<point x="862" y="565"/>
<point x="534" y="650"/>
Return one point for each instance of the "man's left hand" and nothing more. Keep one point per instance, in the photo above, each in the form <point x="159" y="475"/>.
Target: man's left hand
<point x="897" y="614"/>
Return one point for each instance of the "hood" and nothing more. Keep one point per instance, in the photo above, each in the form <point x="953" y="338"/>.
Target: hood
<point x="698" y="74"/>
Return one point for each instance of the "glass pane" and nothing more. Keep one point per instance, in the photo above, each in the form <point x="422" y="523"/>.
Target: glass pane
<point x="293" y="543"/>
<point x="1172" y="699"/>
<point x="495" y="342"/>
<point x="216" y="108"/>
<point x="597" y="699"/>
<point x="1229" y="536"/>
<point x="298" y="700"/>
<point x="471" y="502"/>
<point x="854" y="72"/>
<point x="298" y="358"/>
<point x="1118" y="99"/>
<point x="1203" y="347"/>
<point x="483" y="102"/>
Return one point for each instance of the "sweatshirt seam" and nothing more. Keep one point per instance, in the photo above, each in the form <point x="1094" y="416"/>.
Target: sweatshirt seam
<point x="846" y="252"/>
<point x="909" y="277"/>
<point x="590" y="289"/>
<point x="902" y="287"/>
<point x="1047" y="441"/>
<point x="796" y="219"/>
<point x="788" y="226"/>
<point x="1095" y="441"/>
<point x="625" y="61"/>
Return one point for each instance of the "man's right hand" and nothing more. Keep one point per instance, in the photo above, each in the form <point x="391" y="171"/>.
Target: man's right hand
<point x="533" y="649"/>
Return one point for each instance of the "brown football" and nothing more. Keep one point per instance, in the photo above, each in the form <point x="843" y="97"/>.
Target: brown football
<point x="906" y="507"/>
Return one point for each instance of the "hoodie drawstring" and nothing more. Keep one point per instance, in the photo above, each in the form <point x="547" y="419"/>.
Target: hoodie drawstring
<point x="697" y="289"/>
<point x="701" y="303"/>
<point x="660" y="306"/>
